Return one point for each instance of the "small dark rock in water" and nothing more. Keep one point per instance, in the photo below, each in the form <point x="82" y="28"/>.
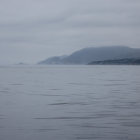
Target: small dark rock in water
<point x="21" y="63"/>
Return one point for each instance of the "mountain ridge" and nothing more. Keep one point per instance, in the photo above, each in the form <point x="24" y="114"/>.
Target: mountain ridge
<point x="90" y="54"/>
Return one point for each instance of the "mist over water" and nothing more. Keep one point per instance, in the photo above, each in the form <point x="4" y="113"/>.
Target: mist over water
<point x="70" y="102"/>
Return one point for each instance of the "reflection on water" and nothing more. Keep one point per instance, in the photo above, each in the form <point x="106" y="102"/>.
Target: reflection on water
<point x="70" y="103"/>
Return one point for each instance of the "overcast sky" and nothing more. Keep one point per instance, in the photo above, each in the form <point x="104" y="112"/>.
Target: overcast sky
<point x="32" y="30"/>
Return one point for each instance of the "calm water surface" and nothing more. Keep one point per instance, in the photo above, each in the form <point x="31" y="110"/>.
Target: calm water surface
<point x="70" y="103"/>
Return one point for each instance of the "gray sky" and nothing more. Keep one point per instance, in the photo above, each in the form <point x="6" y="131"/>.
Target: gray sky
<point x="32" y="30"/>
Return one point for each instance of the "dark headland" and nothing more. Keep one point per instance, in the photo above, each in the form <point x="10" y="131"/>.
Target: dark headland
<point x="126" y="61"/>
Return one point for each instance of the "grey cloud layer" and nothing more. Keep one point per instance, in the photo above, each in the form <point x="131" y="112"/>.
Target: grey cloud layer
<point x="52" y="27"/>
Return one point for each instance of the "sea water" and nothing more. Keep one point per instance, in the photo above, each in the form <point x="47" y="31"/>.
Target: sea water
<point x="70" y="102"/>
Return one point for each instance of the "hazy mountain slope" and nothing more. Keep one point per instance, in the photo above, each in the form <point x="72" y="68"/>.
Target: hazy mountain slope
<point x="87" y="55"/>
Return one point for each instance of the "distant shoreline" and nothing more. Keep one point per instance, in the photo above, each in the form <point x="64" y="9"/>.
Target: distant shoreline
<point x="126" y="61"/>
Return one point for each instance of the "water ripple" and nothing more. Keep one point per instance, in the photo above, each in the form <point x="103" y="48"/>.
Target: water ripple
<point x="64" y="118"/>
<point x="71" y="103"/>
